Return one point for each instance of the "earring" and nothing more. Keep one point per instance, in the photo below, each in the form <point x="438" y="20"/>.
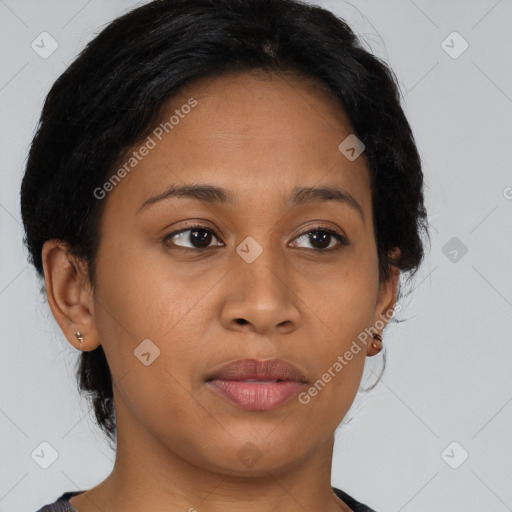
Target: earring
<point x="376" y="345"/>
<point x="79" y="336"/>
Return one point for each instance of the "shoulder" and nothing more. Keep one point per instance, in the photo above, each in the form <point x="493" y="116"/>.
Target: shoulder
<point x="355" y="505"/>
<point x="61" y="504"/>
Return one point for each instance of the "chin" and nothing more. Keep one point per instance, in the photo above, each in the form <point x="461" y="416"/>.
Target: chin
<point x="252" y="458"/>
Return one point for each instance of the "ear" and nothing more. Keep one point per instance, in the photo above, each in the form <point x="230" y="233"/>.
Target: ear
<point x="70" y="294"/>
<point x="387" y="296"/>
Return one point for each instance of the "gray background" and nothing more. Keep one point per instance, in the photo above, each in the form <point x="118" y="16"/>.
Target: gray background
<point x="449" y="375"/>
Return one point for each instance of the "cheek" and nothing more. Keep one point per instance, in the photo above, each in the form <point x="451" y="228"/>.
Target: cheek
<point x="144" y="307"/>
<point x="344" y="304"/>
<point x="142" y="295"/>
<point x="344" y="297"/>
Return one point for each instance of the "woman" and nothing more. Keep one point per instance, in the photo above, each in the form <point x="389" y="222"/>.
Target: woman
<point x="221" y="198"/>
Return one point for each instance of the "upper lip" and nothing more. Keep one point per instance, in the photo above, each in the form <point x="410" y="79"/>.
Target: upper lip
<point x="266" y="369"/>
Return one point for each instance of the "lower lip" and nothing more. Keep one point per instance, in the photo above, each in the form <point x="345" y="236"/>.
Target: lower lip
<point x="257" y="395"/>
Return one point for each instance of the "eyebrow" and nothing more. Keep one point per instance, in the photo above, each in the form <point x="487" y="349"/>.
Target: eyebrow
<point x="213" y="194"/>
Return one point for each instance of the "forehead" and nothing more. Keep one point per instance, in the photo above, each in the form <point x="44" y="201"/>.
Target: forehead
<point x="255" y="134"/>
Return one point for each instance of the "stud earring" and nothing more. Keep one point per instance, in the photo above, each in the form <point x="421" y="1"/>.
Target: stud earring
<point x="376" y="345"/>
<point x="79" y="336"/>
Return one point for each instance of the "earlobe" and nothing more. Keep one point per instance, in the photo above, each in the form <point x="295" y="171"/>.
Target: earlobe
<point x="69" y="294"/>
<point x="385" y="304"/>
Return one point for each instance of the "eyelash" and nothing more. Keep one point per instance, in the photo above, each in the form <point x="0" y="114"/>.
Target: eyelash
<point x="341" y="239"/>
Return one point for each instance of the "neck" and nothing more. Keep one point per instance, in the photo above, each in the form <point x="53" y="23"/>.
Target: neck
<point x="148" y="475"/>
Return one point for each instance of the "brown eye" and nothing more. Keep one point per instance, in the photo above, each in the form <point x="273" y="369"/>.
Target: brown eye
<point x="323" y="239"/>
<point x="197" y="237"/>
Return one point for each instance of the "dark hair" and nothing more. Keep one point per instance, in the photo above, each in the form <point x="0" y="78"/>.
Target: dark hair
<point x="115" y="90"/>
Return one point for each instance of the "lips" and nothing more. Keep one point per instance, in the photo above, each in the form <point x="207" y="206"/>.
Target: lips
<point x="257" y="385"/>
<point x="254" y="369"/>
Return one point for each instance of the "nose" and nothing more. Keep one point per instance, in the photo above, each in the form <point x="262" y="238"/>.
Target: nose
<point x="260" y="296"/>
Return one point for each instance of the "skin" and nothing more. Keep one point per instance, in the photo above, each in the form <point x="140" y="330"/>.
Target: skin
<point x="178" y="442"/>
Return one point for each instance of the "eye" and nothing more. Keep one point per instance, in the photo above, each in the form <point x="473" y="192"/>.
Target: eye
<point x="320" y="238"/>
<point x="198" y="236"/>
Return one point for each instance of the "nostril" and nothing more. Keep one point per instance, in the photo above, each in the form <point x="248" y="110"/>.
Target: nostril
<point x="241" y="321"/>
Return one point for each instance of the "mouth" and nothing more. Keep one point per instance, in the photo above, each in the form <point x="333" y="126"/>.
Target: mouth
<point x="257" y="385"/>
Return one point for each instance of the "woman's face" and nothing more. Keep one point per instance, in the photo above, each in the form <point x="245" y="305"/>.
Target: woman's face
<point x="258" y="280"/>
